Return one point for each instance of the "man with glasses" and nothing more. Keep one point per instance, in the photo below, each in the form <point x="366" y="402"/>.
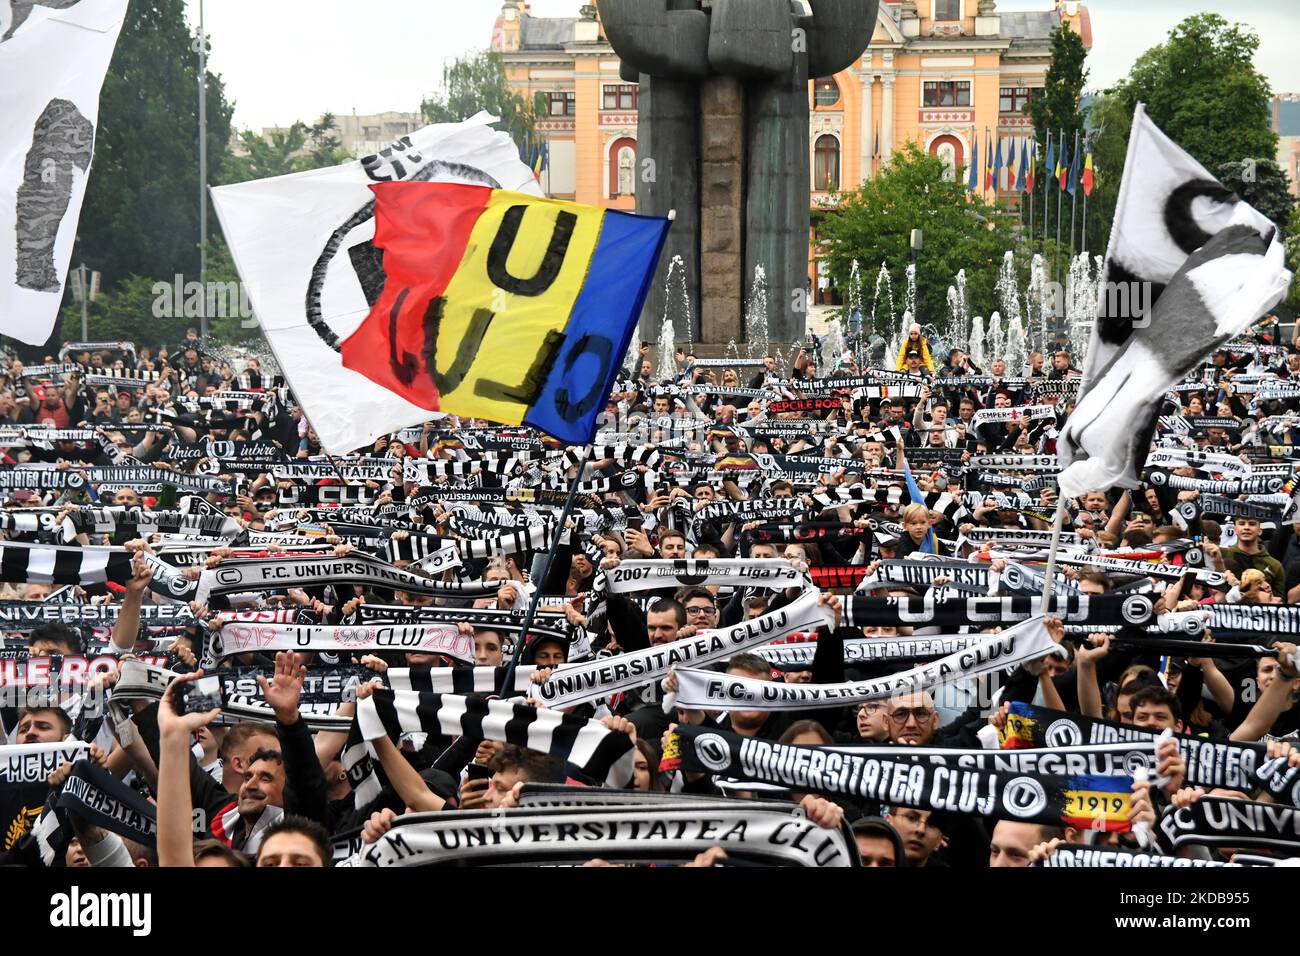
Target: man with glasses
<point x="701" y="607"/>
<point x="913" y="719"/>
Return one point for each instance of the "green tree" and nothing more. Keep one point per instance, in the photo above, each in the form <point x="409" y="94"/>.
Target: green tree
<point x="125" y="313"/>
<point x="1263" y="184"/>
<point x="289" y="150"/>
<point x="1292" y="301"/>
<point x="1201" y="87"/>
<point x="873" y="224"/>
<point x="478" y="82"/>
<point x="1109" y="121"/>
<point x="141" y="213"/>
<point x="1056" y="108"/>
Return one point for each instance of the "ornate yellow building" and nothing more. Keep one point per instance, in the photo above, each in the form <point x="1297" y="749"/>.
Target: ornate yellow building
<point x="947" y="74"/>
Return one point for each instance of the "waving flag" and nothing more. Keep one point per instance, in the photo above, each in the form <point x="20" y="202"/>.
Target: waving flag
<point x="997" y="166"/>
<point x="1087" y="174"/>
<point x="1063" y="163"/>
<point x="1011" y="165"/>
<point x="53" y="58"/>
<point x="503" y="306"/>
<point x="1074" y="173"/>
<point x="972" y="181"/>
<point x="1027" y="165"/>
<point x="1189" y="265"/>
<point x="988" y="162"/>
<point x="1050" y="167"/>
<point x="303" y="245"/>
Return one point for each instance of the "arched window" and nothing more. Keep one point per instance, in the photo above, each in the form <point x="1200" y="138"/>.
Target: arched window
<point x="949" y="157"/>
<point x="949" y="149"/>
<point x="622" y="167"/>
<point x="826" y="92"/>
<point x="826" y="167"/>
<point x="626" y="171"/>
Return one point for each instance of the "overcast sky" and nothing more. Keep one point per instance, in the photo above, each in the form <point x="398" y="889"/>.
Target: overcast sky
<point x="295" y="59"/>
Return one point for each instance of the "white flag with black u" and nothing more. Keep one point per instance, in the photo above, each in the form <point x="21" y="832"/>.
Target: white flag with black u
<point x="1189" y="265"/>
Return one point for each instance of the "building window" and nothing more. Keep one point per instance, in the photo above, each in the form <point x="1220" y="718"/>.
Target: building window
<point x="562" y="103"/>
<point x="946" y="93"/>
<point x="622" y="167"/>
<point x="620" y="96"/>
<point x="947" y="9"/>
<point x="1015" y="99"/>
<point x="826" y="167"/>
<point x="827" y="92"/>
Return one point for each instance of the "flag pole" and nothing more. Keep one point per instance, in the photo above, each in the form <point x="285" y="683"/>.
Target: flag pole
<point x="1050" y="574"/>
<point x="1074" y="196"/>
<point x="1047" y="178"/>
<point x="1029" y="166"/>
<point x="508" y="679"/>
<point x="1056" y="253"/>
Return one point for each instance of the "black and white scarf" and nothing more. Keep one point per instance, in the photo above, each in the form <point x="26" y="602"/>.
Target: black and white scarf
<point x="1015" y="462"/>
<point x="869" y="650"/>
<point x="1236" y="619"/>
<point x="1215" y="821"/>
<point x="1162" y="478"/>
<point x="1068" y="855"/>
<point x="20" y="614"/>
<point x="707" y="690"/>
<point x="238" y="638"/>
<point x="866" y="612"/>
<point x="1210" y="763"/>
<point x="897" y="778"/>
<point x="22" y="563"/>
<point x="922" y="572"/>
<point x="622" y="828"/>
<point x="631" y="576"/>
<point x="100" y="799"/>
<point x="510" y="622"/>
<point x="603" y="755"/>
<point x="138" y="523"/>
<point x="259" y="574"/>
<point x="605" y="676"/>
<point x="24" y="786"/>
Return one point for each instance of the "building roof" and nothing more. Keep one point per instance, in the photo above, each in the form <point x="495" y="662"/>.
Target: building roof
<point x="546" y="33"/>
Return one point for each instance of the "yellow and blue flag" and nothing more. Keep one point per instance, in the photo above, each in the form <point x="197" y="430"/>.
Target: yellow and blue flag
<point x="504" y="306"/>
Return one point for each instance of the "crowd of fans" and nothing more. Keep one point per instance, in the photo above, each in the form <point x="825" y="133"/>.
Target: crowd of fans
<point x="690" y="433"/>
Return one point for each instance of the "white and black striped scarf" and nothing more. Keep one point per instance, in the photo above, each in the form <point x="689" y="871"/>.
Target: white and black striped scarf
<point x="601" y="754"/>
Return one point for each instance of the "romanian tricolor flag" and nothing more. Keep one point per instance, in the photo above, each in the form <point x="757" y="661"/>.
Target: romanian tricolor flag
<point x="1098" y="803"/>
<point x="737" y="461"/>
<point x="503" y="306"/>
<point x="1063" y="165"/>
<point x="1028" y="176"/>
<point x="1020" y="731"/>
<point x="1087" y="174"/>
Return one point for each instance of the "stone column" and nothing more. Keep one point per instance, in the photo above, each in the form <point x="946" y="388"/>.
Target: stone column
<point x="668" y="131"/>
<point x="722" y="215"/>
<point x="887" y="117"/>
<point x="777" y="223"/>
<point x="868" y="122"/>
